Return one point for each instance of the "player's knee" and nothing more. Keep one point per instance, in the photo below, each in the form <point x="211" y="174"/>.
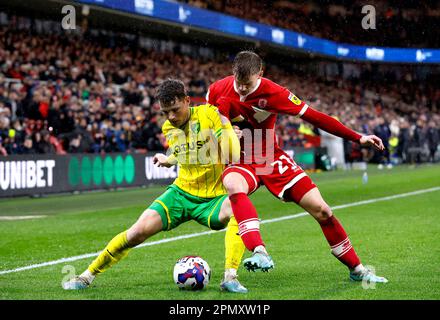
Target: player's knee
<point x="136" y="235"/>
<point x="235" y="183"/>
<point x="322" y="212"/>
<point x="224" y="219"/>
<point x="147" y="225"/>
<point x="226" y="210"/>
<point x="232" y="187"/>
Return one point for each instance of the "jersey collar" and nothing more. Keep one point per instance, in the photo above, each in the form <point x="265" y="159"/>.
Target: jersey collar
<point x="242" y="98"/>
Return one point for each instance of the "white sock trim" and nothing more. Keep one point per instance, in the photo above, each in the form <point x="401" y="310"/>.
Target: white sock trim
<point x="260" y="248"/>
<point x="249" y="225"/>
<point x="230" y="274"/>
<point x="359" y="268"/>
<point x="88" y="275"/>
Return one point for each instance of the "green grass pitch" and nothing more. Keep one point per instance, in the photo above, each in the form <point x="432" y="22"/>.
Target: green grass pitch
<point x="399" y="237"/>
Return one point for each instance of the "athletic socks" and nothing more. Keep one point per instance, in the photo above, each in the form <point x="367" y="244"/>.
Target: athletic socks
<point x="234" y="247"/>
<point x="339" y="242"/>
<point x="247" y="218"/>
<point x="115" y="250"/>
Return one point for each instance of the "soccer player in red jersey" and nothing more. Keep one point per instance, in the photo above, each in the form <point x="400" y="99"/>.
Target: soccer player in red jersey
<point x="248" y="96"/>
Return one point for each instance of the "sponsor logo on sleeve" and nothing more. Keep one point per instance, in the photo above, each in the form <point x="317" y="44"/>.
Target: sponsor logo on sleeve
<point x="294" y="99"/>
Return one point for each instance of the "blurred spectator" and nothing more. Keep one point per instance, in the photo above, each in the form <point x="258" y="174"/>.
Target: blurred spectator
<point x="382" y="130"/>
<point x="75" y="145"/>
<point x="28" y="146"/>
<point x="404" y="141"/>
<point x="3" y="151"/>
<point x="81" y="93"/>
<point x="42" y="142"/>
<point x="417" y="142"/>
<point x="433" y="138"/>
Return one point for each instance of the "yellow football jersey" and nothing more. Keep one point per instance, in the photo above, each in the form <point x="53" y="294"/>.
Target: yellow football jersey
<point x="196" y="148"/>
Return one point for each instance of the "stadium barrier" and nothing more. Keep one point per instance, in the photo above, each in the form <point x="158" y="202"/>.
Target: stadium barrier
<point x="24" y="175"/>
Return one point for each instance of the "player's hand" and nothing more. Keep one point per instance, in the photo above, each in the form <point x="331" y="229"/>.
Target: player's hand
<point x="161" y="160"/>
<point x="237" y="131"/>
<point x="372" y="140"/>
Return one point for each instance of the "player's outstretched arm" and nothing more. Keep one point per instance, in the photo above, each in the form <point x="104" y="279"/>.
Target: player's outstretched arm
<point x="161" y="160"/>
<point x="333" y="126"/>
<point x="330" y="124"/>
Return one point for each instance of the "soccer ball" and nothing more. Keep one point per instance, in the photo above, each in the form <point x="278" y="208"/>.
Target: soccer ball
<point x="192" y="273"/>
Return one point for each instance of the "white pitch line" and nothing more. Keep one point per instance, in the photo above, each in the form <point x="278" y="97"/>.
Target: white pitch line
<point x="8" y="218"/>
<point x="358" y="203"/>
<point x="187" y="236"/>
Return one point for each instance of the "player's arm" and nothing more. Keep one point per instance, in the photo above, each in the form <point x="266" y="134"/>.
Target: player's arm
<point x="287" y="103"/>
<point x="333" y="126"/>
<point x="225" y="135"/>
<point x="229" y="142"/>
<point x="162" y="160"/>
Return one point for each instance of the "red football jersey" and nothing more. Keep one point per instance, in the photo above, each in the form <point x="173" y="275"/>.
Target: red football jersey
<point x="259" y="108"/>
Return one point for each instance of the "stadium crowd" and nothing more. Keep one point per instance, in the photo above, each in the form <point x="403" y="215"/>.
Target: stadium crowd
<point x="94" y="92"/>
<point x="397" y="23"/>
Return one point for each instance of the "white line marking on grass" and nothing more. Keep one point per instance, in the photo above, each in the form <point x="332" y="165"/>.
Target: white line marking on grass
<point x="7" y="218"/>
<point x="92" y="255"/>
<point x="358" y="203"/>
<point x="187" y="236"/>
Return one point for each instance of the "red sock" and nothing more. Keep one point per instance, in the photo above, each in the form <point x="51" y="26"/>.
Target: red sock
<point x="247" y="218"/>
<point x="340" y="244"/>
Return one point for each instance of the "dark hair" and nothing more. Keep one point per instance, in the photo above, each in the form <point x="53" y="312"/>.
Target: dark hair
<point x="246" y="63"/>
<point x="170" y="90"/>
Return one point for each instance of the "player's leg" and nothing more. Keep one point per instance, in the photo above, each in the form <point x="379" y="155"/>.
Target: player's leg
<point x="307" y="195"/>
<point x="333" y="231"/>
<point x="164" y="213"/>
<point x="216" y="214"/>
<point x="289" y="182"/>
<point x="239" y="182"/>
<point x="148" y="224"/>
<point x="234" y="250"/>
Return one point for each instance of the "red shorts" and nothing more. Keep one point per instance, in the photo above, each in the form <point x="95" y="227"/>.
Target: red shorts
<point x="281" y="175"/>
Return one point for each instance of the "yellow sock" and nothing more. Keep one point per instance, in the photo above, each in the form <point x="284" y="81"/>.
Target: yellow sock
<point x="115" y="250"/>
<point x="234" y="246"/>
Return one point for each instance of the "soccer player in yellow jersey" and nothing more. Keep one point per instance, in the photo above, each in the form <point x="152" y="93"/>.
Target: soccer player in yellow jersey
<point x="200" y="142"/>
